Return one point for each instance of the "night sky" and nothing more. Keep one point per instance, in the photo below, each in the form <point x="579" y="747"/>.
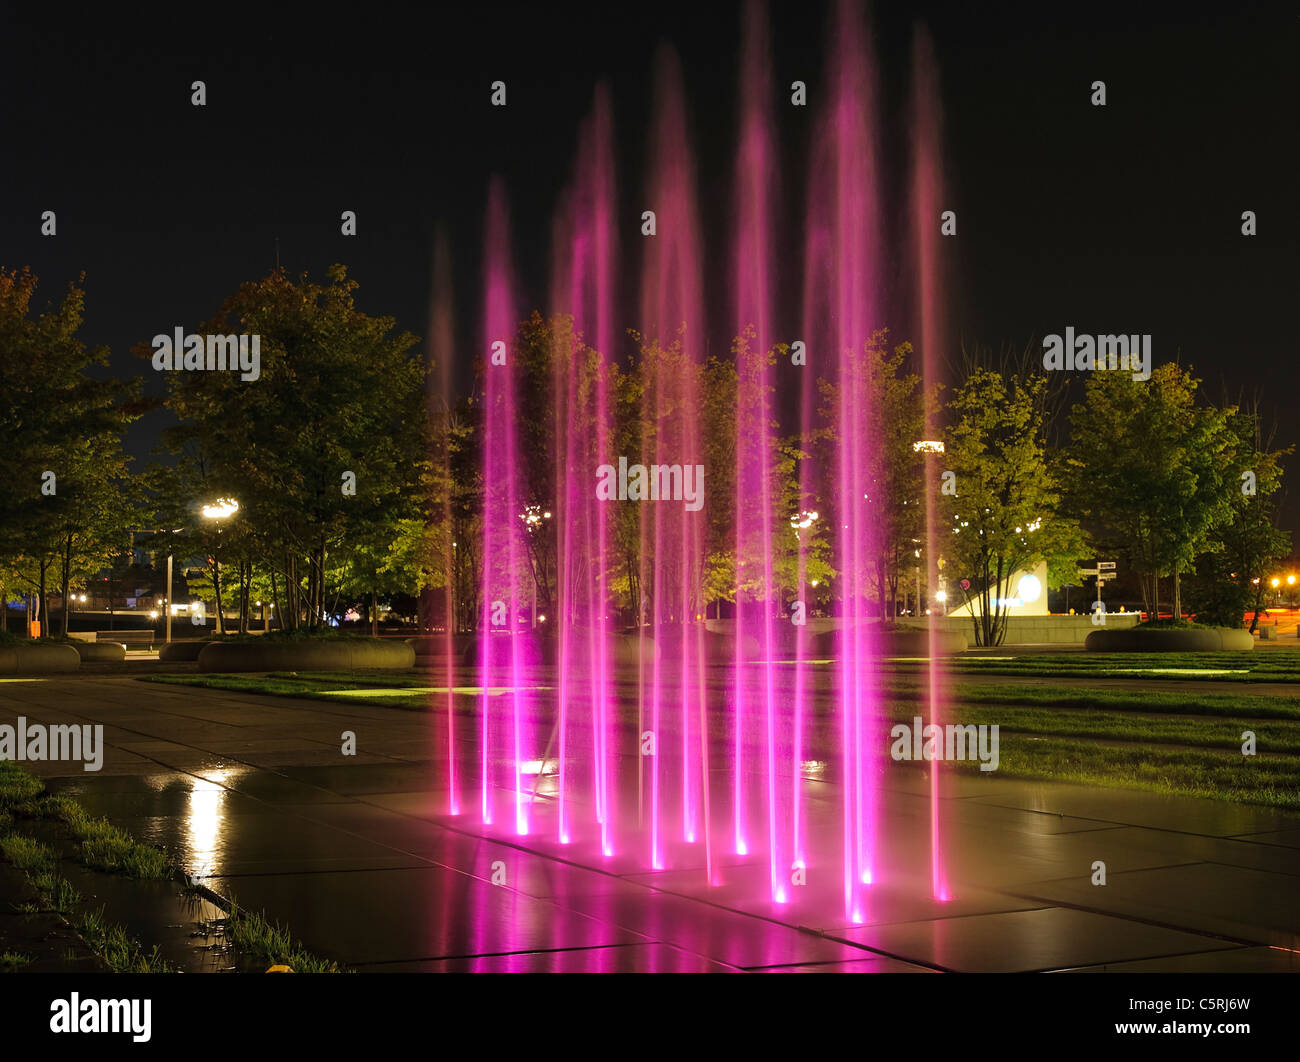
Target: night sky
<point x="1117" y="219"/>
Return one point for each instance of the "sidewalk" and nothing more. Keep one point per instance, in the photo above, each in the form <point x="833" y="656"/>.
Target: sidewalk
<point x="357" y="856"/>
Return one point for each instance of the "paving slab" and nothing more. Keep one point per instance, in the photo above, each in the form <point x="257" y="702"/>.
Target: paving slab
<point x="1027" y="941"/>
<point x="1249" y="905"/>
<point x="428" y="913"/>
<point x="1228" y="960"/>
<point x="623" y="958"/>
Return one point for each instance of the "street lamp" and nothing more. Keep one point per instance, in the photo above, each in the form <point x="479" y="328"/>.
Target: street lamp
<point x="218" y="511"/>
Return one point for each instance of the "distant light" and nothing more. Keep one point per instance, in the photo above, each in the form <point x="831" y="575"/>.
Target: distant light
<point x="541" y="619"/>
<point x="1029" y="588"/>
<point x="941" y="596"/>
<point x="815" y="582"/>
<point x="153" y="614"/>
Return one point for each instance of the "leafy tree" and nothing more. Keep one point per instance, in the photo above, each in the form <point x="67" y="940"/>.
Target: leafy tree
<point x="1151" y="469"/>
<point x="59" y="419"/>
<point x="893" y="496"/>
<point x="339" y="392"/>
<point x="1231" y="577"/>
<point x="1006" y="514"/>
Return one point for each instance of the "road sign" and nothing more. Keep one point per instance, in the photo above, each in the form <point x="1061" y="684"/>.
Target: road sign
<point x="1106" y="566"/>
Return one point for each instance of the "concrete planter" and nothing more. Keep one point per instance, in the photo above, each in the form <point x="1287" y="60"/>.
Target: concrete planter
<point x="38" y="658"/>
<point x="625" y="648"/>
<point x="893" y="643"/>
<point x="174" y="652"/>
<point x="718" y="647"/>
<point x="100" y="652"/>
<point x="529" y="647"/>
<point x="324" y="655"/>
<point x="1169" y="640"/>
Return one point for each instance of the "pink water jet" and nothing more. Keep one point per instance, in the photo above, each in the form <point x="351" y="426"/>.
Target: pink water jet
<point x="673" y="323"/>
<point x="441" y="339"/>
<point x="502" y="549"/>
<point x="842" y="251"/>
<point x="583" y="292"/>
<point x="927" y="205"/>
<point x="765" y="754"/>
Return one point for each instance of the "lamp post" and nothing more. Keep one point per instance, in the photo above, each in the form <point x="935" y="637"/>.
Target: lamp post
<point x="167" y="604"/>
<point x="218" y="511"/>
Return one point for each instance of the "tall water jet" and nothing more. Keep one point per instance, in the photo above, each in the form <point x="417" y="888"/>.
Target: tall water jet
<point x="503" y="551"/>
<point x="583" y="288"/>
<point x="672" y="317"/>
<point x="927" y="204"/>
<point x="842" y="247"/>
<point x="442" y="341"/>
<point x="755" y="694"/>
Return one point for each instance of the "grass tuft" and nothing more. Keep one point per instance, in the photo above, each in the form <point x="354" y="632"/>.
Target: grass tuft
<point x="253" y="935"/>
<point x="27" y="853"/>
<point x="119" y="951"/>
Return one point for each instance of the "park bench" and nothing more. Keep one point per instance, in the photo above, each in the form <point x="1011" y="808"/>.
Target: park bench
<point x="143" y="639"/>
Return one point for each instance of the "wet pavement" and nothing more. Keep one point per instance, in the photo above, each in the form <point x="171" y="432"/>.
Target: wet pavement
<point x="359" y="857"/>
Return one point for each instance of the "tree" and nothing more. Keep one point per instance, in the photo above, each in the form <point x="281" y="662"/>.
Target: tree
<point x="894" y="499"/>
<point x="70" y="505"/>
<point x="339" y="401"/>
<point x="1150" y="467"/>
<point x="1231" y="577"/>
<point x="1006" y="514"/>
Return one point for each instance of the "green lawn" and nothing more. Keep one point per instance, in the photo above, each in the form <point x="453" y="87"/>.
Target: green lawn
<point x="1261" y="665"/>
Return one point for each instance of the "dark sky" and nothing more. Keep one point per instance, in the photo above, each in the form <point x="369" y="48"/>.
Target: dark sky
<point x="1117" y="219"/>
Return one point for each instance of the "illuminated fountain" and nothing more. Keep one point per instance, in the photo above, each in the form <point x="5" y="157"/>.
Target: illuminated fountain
<point x="662" y="744"/>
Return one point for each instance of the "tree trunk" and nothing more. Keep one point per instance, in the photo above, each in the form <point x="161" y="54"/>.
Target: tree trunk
<point x="1178" y="598"/>
<point x="374" y="614"/>
<point x="243" y="597"/>
<point x="43" y="613"/>
<point x="66" y="577"/>
<point x="216" y="591"/>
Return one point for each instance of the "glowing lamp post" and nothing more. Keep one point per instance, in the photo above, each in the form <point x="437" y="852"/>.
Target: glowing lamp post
<point x="221" y="509"/>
